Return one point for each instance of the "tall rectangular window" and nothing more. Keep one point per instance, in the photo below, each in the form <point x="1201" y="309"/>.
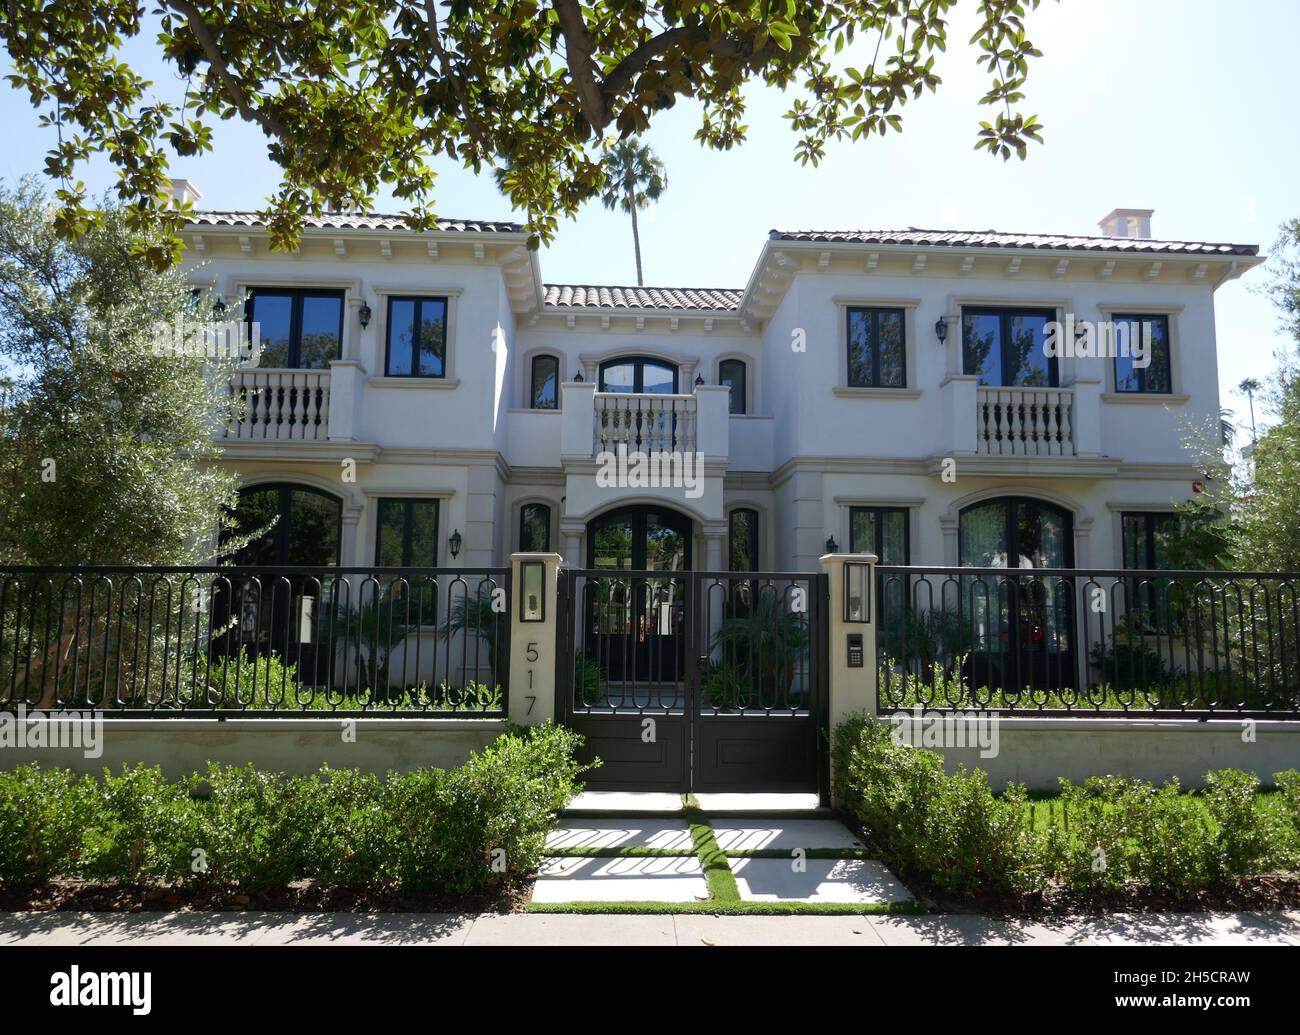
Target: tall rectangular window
<point x="417" y="337"/>
<point x="742" y="540"/>
<point x="1146" y="367"/>
<point x="298" y="328"/>
<point x="1146" y="539"/>
<point x="534" y="528"/>
<point x="879" y="530"/>
<point x="731" y="372"/>
<point x="407" y="533"/>
<point x="545" y="381"/>
<point x="877" y="352"/>
<point x="1006" y="347"/>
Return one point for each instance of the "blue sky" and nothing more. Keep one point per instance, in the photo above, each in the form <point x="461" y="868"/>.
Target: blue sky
<point x="1183" y="106"/>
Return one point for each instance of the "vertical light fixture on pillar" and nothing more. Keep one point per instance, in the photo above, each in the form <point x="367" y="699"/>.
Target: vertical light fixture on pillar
<point x="454" y="544"/>
<point x="532" y="591"/>
<point x="857" y="592"/>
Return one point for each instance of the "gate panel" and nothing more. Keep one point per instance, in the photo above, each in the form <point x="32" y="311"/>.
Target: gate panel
<point x="621" y="676"/>
<point x="760" y="702"/>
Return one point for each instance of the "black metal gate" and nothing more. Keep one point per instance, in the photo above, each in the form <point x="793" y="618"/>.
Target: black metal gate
<point x="696" y="681"/>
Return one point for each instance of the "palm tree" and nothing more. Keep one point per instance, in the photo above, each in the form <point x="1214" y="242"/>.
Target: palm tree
<point x="634" y="177"/>
<point x="1250" y="386"/>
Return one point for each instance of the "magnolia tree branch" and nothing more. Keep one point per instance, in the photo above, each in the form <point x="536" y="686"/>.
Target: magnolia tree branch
<point x="577" y="50"/>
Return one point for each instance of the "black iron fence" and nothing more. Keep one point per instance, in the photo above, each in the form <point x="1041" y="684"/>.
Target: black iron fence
<point x="268" y="641"/>
<point x="1052" y="641"/>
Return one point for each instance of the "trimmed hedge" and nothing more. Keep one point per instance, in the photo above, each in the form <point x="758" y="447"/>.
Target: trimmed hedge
<point x="1106" y="835"/>
<point x="464" y="831"/>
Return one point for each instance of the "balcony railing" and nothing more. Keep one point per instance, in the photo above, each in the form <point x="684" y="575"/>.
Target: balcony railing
<point x="283" y="405"/>
<point x="649" y="423"/>
<point x="1023" y="421"/>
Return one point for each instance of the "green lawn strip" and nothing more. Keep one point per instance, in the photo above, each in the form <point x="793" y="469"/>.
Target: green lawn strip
<point x="808" y="853"/>
<point x="717" y="871"/>
<point x="737" y="908"/>
<point x="628" y="852"/>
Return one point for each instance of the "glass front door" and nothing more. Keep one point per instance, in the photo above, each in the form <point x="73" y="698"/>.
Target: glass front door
<point x="637" y="620"/>
<point x="1021" y="629"/>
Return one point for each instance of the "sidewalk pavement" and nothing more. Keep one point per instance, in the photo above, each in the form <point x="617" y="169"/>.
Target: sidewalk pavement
<point x="401" y="929"/>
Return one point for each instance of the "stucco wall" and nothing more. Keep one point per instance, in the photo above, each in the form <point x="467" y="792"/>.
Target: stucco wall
<point x="183" y="746"/>
<point x="1037" y="752"/>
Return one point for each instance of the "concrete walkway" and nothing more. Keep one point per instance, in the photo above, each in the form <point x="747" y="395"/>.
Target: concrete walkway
<point x="78" y="929"/>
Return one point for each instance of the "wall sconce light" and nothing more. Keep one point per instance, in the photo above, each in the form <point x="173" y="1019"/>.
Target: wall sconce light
<point x="699" y="380"/>
<point x="941" y="329"/>
<point x="831" y="545"/>
<point x="364" y="314"/>
<point x="578" y="377"/>
<point x="532" y="598"/>
<point x="219" y="308"/>
<point x="857" y="592"/>
<point x="454" y="544"/>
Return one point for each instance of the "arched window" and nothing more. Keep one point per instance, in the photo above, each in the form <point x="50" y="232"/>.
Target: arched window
<point x="1016" y="532"/>
<point x="544" y="384"/>
<point x="638" y="374"/>
<point x="534" y="528"/>
<point x="305" y="525"/>
<point x="731" y="372"/>
<point x="743" y="550"/>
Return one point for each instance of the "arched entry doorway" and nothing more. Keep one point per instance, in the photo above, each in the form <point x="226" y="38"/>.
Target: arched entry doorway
<point x="639" y="620"/>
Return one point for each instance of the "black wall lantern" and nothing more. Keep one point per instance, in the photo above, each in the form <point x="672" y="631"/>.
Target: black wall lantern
<point x="219" y="308"/>
<point x="831" y="545"/>
<point x="941" y="329"/>
<point x="699" y="380"/>
<point x="578" y="377"/>
<point x="857" y="592"/>
<point x="364" y="314"/>
<point x="454" y="544"/>
<point x="532" y="598"/>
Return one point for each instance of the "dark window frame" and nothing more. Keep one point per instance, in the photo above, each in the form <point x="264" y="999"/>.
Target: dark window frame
<point x="408" y="503"/>
<point x="878" y="546"/>
<point x="1150" y="519"/>
<point x="738" y="402"/>
<point x="638" y="380"/>
<point x="297" y="294"/>
<point x="532" y="380"/>
<point x="875" y="313"/>
<point x="1013" y="504"/>
<point x="755" y="539"/>
<point x="523" y="512"/>
<point x="419" y="301"/>
<point x="1005" y="315"/>
<point x="1141" y="372"/>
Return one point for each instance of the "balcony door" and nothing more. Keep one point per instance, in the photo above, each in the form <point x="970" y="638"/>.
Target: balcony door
<point x="300" y="329"/>
<point x="638" y="374"/>
<point x="1005" y="347"/>
<point x="638" y="620"/>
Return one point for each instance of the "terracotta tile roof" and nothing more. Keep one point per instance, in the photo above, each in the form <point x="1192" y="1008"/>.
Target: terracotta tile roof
<point x="357" y="221"/>
<point x="996" y="239"/>
<point x="600" y="296"/>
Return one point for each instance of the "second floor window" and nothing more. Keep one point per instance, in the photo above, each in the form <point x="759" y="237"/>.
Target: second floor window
<point x="1146" y="367"/>
<point x="545" y="383"/>
<point x="879" y="530"/>
<point x="417" y="337"/>
<point x="1006" y="347"/>
<point x="731" y="372"/>
<point x="298" y="328"/>
<point x="877" y="356"/>
<point x="407" y="534"/>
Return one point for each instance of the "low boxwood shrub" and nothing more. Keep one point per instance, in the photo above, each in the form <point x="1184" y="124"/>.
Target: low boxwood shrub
<point x="464" y="831"/>
<point x="1107" y="835"/>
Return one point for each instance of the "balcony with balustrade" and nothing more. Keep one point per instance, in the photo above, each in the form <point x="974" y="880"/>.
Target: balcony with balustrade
<point x="1022" y="429"/>
<point x="289" y="408"/>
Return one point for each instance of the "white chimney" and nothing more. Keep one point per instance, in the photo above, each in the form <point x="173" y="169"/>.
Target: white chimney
<point x="1127" y="222"/>
<point x="183" y="191"/>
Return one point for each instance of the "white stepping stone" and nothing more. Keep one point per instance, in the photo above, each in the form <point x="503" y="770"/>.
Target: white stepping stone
<point x="641" y="879"/>
<point x="625" y="801"/>
<point x="671" y="835"/>
<point x="822" y="880"/>
<point x="735" y="835"/>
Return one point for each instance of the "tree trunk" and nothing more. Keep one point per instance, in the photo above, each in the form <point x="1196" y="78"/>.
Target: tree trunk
<point x="636" y="242"/>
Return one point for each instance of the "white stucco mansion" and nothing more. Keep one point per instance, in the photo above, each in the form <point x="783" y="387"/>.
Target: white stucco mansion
<point x="885" y="390"/>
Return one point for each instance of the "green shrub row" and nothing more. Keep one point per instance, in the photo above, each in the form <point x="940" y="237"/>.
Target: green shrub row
<point x="1108" y="834"/>
<point x="462" y="831"/>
